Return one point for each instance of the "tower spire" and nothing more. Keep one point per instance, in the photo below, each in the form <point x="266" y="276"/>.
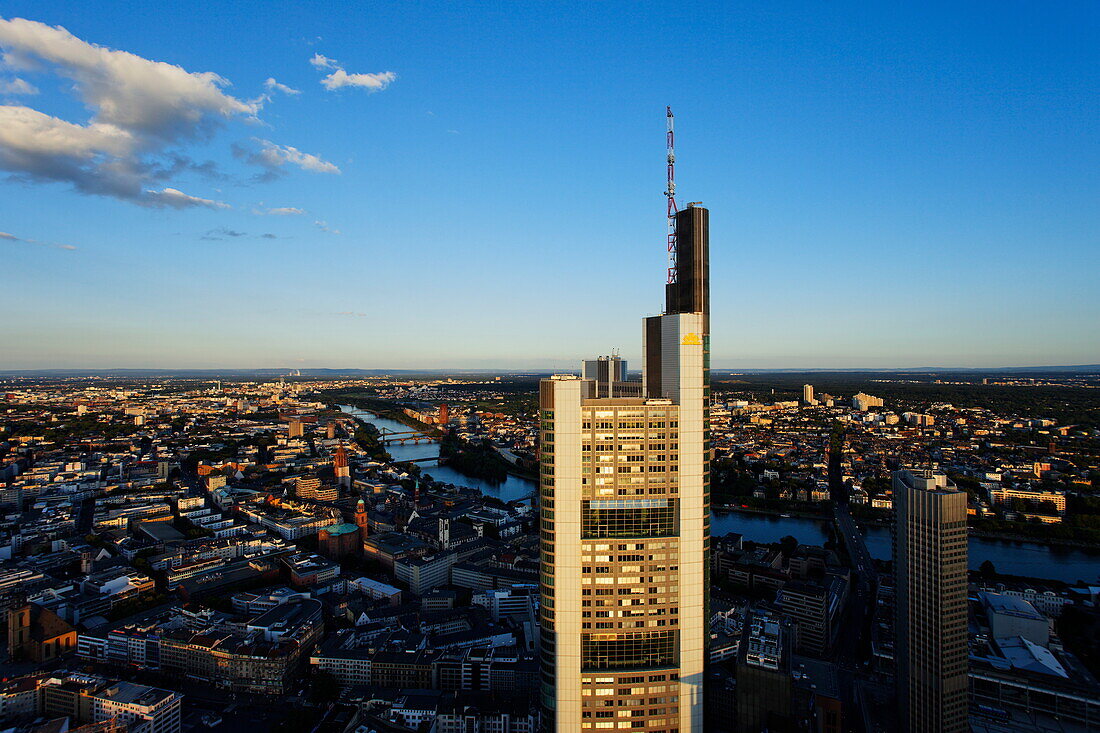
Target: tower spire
<point x="670" y="193"/>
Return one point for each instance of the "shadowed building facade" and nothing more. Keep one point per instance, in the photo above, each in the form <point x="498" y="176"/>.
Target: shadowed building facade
<point x="625" y="499"/>
<point x="930" y="549"/>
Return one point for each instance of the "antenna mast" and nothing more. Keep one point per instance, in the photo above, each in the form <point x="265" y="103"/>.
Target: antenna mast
<point x="670" y="192"/>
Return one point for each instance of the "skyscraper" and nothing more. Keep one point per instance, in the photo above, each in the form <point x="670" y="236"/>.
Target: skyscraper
<point x="606" y="372"/>
<point x="625" y="492"/>
<point x="930" y="561"/>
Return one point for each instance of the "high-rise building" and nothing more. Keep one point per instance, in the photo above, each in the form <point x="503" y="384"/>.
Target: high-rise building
<point x="625" y="524"/>
<point x="930" y="560"/>
<point x="808" y="394"/>
<point x="864" y="402"/>
<point x="606" y="372"/>
<point x="294" y="429"/>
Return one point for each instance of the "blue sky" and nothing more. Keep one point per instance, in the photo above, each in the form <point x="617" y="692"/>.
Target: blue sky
<point x="480" y="185"/>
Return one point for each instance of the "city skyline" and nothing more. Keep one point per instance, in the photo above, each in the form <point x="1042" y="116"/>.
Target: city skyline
<point x="958" y="232"/>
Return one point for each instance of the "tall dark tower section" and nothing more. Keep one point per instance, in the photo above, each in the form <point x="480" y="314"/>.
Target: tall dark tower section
<point x="691" y="291"/>
<point x="689" y="294"/>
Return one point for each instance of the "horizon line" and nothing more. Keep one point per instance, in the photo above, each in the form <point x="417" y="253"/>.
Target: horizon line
<point x="533" y="369"/>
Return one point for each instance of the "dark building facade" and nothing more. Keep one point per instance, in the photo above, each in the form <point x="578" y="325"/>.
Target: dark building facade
<point x="691" y="291"/>
<point x="930" y="547"/>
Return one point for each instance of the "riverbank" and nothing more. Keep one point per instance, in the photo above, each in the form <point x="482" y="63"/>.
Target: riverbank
<point x="514" y="469"/>
<point x="1022" y="559"/>
<point x="366" y="436"/>
<point x="1052" y="541"/>
<point x="474" y="460"/>
<point x="794" y="513"/>
<point x="887" y="522"/>
<point x="381" y="408"/>
<point x="514" y="487"/>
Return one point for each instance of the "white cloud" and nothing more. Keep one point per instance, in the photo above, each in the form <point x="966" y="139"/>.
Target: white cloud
<point x="285" y="211"/>
<point x="151" y="98"/>
<point x="97" y="158"/>
<point x="274" y="157"/>
<point x="17" y="86"/>
<point x="26" y="131"/>
<point x="374" y="82"/>
<point x="140" y="108"/>
<point x="275" y="86"/>
<point x="4" y="236"/>
<point x="142" y="112"/>
<point x="176" y="199"/>
<point x="371" y="82"/>
<point x="324" y="227"/>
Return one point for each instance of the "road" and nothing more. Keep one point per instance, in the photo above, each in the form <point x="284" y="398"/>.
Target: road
<point x="852" y="647"/>
<point x="862" y="563"/>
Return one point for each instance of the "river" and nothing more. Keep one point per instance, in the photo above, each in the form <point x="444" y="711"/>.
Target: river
<point x="510" y="489"/>
<point x="1029" y="559"/>
<point x="1015" y="558"/>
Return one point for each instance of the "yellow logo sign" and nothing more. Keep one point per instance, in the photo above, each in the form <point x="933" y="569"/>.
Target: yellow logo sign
<point x="691" y="339"/>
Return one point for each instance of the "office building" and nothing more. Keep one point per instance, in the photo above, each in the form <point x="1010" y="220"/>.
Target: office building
<point x="262" y="656"/>
<point x="422" y="574"/>
<point x="930" y="559"/>
<point x="815" y="610"/>
<point x="1014" y="617"/>
<point x="764" y="675"/>
<point x="625" y="524"/>
<point x="85" y="699"/>
<point x="808" y="395"/>
<point x="607" y="372"/>
<point x="306" y="487"/>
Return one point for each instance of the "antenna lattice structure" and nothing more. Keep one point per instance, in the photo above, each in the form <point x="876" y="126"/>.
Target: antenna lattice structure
<point x="670" y="192"/>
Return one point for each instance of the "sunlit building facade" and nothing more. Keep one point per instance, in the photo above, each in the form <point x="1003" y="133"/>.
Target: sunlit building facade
<point x="625" y="496"/>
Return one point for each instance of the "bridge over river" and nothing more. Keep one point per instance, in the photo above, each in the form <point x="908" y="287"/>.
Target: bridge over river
<point x="391" y="437"/>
